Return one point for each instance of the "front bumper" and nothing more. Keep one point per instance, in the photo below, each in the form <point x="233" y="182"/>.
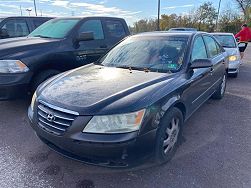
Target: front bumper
<point x="14" y="86"/>
<point x="110" y="150"/>
<point x="233" y="66"/>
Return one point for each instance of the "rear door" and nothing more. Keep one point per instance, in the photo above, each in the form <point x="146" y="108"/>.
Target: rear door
<point x="90" y="51"/>
<point x="115" y="30"/>
<point x="215" y="53"/>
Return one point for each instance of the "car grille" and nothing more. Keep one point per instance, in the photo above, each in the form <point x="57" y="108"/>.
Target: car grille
<point x="53" y="119"/>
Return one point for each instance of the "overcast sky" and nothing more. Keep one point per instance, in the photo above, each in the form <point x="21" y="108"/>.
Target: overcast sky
<point x="131" y="10"/>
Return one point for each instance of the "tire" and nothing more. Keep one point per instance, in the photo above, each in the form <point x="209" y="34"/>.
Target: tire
<point x="168" y="135"/>
<point x="41" y="77"/>
<point x="219" y="93"/>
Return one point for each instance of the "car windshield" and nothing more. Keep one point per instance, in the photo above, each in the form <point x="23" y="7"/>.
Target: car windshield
<point x="159" y="54"/>
<point x="226" y="41"/>
<point x="57" y="28"/>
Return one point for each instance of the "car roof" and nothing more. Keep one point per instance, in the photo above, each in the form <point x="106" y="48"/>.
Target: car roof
<point x="221" y="33"/>
<point x="83" y="17"/>
<point x="168" y="33"/>
<point x="39" y="17"/>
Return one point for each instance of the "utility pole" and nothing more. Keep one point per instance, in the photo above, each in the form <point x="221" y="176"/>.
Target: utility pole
<point x="21" y="10"/>
<point x="158" y="23"/>
<point x="35" y="7"/>
<point x="217" y="20"/>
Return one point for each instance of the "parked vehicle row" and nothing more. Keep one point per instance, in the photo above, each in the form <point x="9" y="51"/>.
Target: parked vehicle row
<point x="113" y="105"/>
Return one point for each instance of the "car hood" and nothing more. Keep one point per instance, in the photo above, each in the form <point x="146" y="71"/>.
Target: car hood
<point x="232" y="51"/>
<point x="94" y="89"/>
<point x="10" y="47"/>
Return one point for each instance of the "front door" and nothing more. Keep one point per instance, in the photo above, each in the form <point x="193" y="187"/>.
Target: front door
<point x="90" y="51"/>
<point x="199" y="79"/>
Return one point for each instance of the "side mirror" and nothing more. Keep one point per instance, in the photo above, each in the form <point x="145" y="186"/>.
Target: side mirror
<point x="4" y="33"/>
<point x="85" y="36"/>
<point x="201" y="63"/>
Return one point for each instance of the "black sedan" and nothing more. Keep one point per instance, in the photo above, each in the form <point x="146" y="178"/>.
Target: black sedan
<point x="132" y="103"/>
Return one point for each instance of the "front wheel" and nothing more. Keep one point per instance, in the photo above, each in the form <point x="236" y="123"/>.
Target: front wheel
<point x="219" y="93"/>
<point x="169" y="135"/>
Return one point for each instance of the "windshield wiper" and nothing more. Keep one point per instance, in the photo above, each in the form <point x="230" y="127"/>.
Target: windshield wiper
<point x="131" y="68"/>
<point x="41" y="36"/>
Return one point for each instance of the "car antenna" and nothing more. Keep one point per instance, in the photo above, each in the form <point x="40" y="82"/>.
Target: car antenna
<point x="130" y="69"/>
<point x="146" y="70"/>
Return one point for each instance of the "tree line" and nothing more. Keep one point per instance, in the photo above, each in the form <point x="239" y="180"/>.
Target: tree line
<point x="203" y="18"/>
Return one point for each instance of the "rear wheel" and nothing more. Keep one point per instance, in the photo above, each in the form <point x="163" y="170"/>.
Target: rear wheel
<point x="41" y="77"/>
<point x="169" y="135"/>
<point x="219" y="94"/>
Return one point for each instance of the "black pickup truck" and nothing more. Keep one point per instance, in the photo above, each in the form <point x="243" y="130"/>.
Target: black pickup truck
<point x="20" y="26"/>
<point x="58" y="45"/>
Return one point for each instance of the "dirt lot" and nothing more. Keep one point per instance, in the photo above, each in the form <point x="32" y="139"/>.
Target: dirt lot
<point x="216" y="151"/>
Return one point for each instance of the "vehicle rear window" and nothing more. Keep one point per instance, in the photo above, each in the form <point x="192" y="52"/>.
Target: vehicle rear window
<point x="211" y="45"/>
<point x="115" y="28"/>
<point x="159" y="54"/>
<point x="226" y="41"/>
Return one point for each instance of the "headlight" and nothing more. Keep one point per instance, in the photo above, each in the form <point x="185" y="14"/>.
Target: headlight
<point x="12" y="66"/>
<point x="120" y="123"/>
<point x="34" y="97"/>
<point x="232" y="58"/>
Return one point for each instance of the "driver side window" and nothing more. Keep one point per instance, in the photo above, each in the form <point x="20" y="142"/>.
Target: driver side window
<point x="94" y="26"/>
<point x="199" y="49"/>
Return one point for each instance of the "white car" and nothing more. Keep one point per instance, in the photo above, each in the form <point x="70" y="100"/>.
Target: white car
<point x="227" y="40"/>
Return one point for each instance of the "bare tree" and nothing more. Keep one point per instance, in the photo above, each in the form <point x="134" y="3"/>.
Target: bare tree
<point x="245" y="6"/>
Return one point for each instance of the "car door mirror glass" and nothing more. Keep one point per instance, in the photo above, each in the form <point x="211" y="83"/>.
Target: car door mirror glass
<point x="201" y="63"/>
<point x="85" y="36"/>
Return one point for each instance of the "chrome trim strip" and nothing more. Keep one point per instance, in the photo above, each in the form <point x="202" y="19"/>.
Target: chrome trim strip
<point x="65" y="118"/>
<point x="61" y="123"/>
<point x="50" y="125"/>
<point x="67" y="125"/>
<point x="57" y="116"/>
<point x="59" y="109"/>
<point x="206" y="90"/>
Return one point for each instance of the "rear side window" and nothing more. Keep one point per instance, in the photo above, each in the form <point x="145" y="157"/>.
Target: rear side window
<point x="199" y="49"/>
<point x="16" y="28"/>
<point x="94" y="26"/>
<point x="115" y="29"/>
<point x="37" y="23"/>
<point x="211" y="46"/>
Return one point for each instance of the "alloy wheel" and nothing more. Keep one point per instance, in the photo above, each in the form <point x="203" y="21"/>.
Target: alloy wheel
<point x="172" y="132"/>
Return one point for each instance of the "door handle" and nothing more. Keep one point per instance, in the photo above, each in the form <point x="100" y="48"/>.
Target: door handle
<point x="211" y="70"/>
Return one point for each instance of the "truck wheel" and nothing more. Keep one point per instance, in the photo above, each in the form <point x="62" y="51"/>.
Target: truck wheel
<point x="168" y="135"/>
<point x="219" y="93"/>
<point x="41" y="77"/>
